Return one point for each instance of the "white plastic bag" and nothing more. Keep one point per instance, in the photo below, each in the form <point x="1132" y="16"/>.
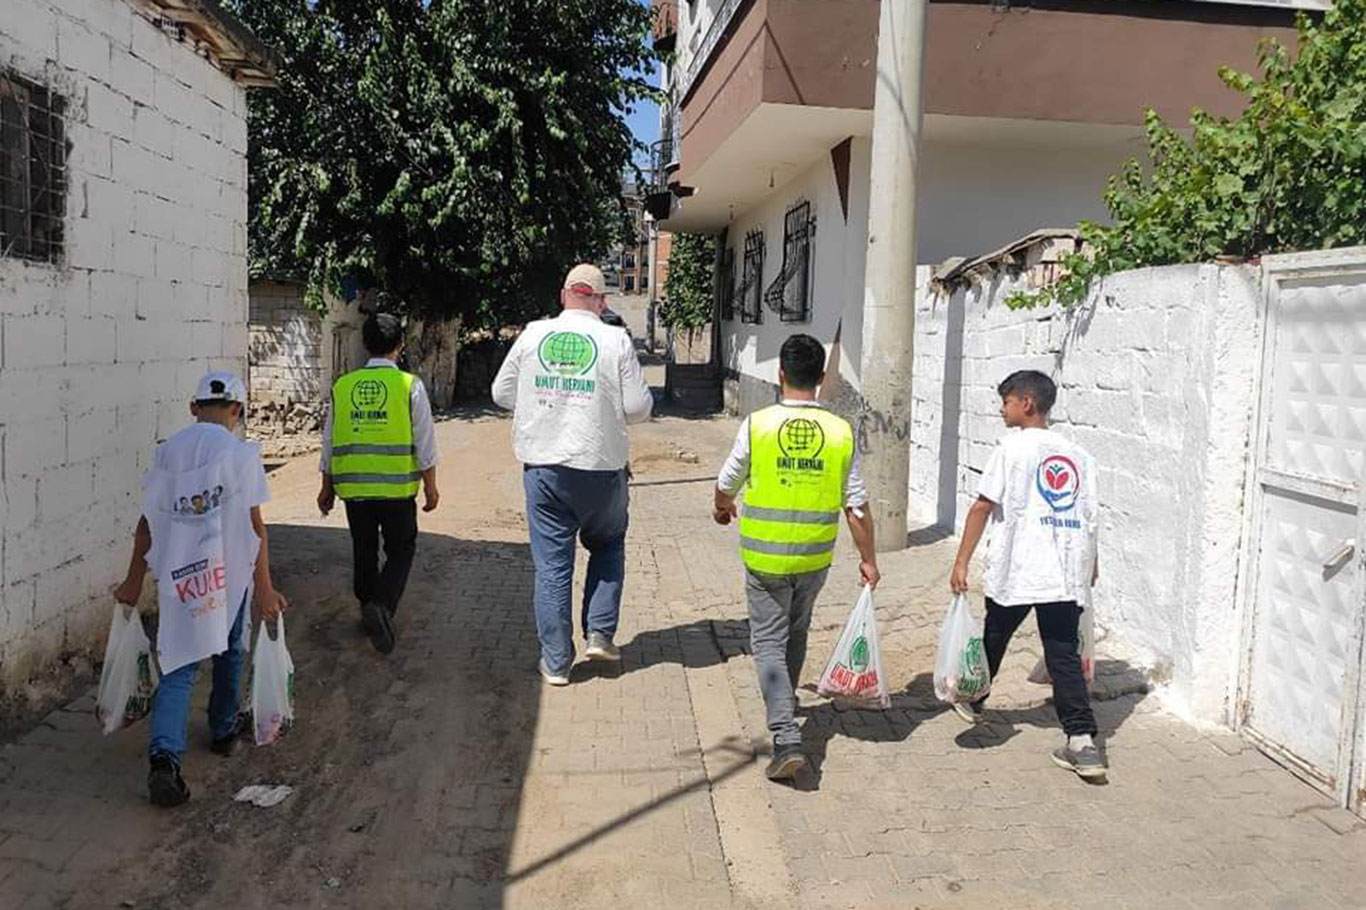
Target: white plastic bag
<point x="1039" y="674"/>
<point x="961" y="673"/>
<point x="129" y="678"/>
<point x="855" y="669"/>
<point x="272" y="685"/>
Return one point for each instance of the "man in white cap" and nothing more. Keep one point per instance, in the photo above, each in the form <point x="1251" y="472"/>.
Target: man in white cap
<point x="574" y="384"/>
<point x="202" y="535"/>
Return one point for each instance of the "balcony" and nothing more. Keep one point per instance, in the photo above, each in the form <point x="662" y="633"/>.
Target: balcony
<point x="665" y="26"/>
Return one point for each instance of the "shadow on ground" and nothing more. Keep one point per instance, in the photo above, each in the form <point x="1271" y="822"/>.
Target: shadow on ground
<point x="408" y="769"/>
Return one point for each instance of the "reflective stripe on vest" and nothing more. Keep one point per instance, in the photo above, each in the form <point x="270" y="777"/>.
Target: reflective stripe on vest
<point x="799" y="462"/>
<point x="373" y="455"/>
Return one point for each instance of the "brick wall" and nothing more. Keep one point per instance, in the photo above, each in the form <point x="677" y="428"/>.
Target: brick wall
<point x="1156" y="376"/>
<point x="102" y="351"/>
<point x="287" y="372"/>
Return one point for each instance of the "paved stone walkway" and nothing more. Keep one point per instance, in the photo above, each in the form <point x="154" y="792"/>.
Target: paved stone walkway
<point x="446" y="776"/>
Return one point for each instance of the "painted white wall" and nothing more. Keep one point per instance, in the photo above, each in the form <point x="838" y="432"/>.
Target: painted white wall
<point x="101" y="353"/>
<point x="1156" y="376"/>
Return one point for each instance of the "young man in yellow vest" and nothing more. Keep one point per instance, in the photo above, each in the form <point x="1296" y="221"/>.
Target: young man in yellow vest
<point x="378" y="444"/>
<point x="802" y="470"/>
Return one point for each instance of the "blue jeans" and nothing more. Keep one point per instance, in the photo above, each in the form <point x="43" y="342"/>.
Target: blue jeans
<point x="171" y="704"/>
<point x="562" y="503"/>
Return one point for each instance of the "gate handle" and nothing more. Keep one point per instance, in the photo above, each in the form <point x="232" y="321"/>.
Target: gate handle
<point x="1340" y="555"/>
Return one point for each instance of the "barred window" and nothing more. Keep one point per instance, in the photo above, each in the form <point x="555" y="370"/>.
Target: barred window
<point x="728" y="285"/>
<point x="751" y="289"/>
<point x="790" y="293"/>
<point x="32" y="170"/>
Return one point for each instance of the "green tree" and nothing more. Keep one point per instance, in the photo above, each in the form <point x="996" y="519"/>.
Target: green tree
<point x="687" y="303"/>
<point x="458" y="155"/>
<point x="1287" y="174"/>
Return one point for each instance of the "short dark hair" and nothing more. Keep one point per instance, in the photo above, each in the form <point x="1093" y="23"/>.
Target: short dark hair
<point x="1031" y="384"/>
<point x="216" y="404"/>
<point x="382" y="334"/>
<point x="803" y="361"/>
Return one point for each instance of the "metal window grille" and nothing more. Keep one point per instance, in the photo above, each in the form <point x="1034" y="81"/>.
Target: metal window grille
<point x="751" y="290"/>
<point x="728" y="285"/>
<point x="32" y="170"/>
<point x="790" y="294"/>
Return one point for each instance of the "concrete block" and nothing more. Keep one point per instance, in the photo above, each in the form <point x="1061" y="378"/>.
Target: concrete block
<point x="153" y="132"/>
<point x="114" y="295"/>
<point x="134" y="254"/>
<point x="32" y="28"/>
<point x="139" y="341"/>
<point x="133" y="76"/>
<point x="89" y="340"/>
<point x="157" y="301"/>
<point x="173" y="261"/>
<point x="34" y="341"/>
<point x="34" y="446"/>
<point x="60" y="591"/>
<point x="64" y="491"/>
<point x="174" y="99"/>
<point x="83" y="49"/>
<point x="21" y="502"/>
<point x="90" y="156"/>
<point x="91" y="434"/>
<point x="90" y="243"/>
<point x="107" y="111"/>
<point x="108" y="201"/>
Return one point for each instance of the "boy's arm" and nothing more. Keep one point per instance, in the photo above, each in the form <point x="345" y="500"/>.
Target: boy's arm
<point x="130" y="591"/>
<point x="972" y="535"/>
<point x="269" y="602"/>
<point x="861" y="528"/>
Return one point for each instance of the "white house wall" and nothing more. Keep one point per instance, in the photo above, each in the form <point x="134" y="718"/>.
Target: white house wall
<point x="101" y="353"/>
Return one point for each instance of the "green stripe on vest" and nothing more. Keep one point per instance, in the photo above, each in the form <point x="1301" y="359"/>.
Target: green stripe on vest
<point x="373" y="455"/>
<point x="799" y="462"/>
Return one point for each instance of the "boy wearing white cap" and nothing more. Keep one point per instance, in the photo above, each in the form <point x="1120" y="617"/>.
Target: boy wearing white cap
<point x="202" y="535"/>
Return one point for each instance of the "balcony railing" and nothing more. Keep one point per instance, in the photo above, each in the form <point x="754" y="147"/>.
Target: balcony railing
<point x="725" y="15"/>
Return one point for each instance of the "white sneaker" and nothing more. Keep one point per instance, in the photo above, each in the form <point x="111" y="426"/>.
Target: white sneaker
<point x="554" y="679"/>
<point x="600" y="648"/>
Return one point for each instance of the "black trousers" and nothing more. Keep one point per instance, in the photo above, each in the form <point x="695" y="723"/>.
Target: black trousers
<point x="1058" y="627"/>
<point x="396" y="521"/>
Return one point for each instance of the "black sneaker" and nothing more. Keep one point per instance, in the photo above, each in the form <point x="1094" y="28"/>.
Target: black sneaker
<point x="165" y="786"/>
<point x="1086" y="762"/>
<point x="787" y="761"/>
<point x="379" y="625"/>
<point x="227" y="745"/>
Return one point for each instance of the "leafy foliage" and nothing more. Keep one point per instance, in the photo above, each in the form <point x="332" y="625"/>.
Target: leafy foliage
<point x="687" y="303"/>
<point x="1287" y="174"/>
<point x="457" y="155"/>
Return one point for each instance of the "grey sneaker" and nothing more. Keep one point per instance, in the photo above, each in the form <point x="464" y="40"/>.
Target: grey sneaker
<point x="787" y="761"/>
<point x="1086" y="762"/>
<point x="970" y="713"/>
<point x="554" y="679"/>
<point x="600" y="647"/>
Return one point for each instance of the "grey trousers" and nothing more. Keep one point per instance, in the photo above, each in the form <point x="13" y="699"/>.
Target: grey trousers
<point x="779" y="619"/>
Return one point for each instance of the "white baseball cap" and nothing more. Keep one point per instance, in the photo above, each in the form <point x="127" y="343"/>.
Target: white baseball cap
<point x="586" y="276"/>
<point x="220" y="385"/>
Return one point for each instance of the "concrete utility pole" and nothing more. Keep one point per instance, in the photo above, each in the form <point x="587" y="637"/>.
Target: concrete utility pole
<point x="653" y="227"/>
<point x="889" y="291"/>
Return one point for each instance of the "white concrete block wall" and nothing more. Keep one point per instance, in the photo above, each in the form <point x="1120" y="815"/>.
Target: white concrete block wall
<point x="100" y="353"/>
<point x="286" y="348"/>
<point x="1156" y="376"/>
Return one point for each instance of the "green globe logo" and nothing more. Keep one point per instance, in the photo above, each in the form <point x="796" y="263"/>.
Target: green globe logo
<point x="568" y="353"/>
<point x="369" y="395"/>
<point x="858" y="655"/>
<point x="801" y="438"/>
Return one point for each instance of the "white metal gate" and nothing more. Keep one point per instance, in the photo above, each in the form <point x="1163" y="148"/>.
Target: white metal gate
<point x="1300" y="691"/>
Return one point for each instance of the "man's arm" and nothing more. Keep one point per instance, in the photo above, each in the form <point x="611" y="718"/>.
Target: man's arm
<point x="976" y="523"/>
<point x="424" y="439"/>
<point x="327" y="495"/>
<point x="732" y="479"/>
<point x="636" y="399"/>
<point x="269" y="602"/>
<point x="860" y="520"/>
<point x="130" y="591"/>
<point x="505" y="383"/>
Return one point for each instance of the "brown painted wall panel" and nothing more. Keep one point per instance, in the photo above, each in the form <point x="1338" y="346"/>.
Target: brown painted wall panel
<point x="821" y="52"/>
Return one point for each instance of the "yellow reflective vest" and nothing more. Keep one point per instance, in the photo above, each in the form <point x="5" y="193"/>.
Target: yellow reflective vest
<point x="799" y="462"/>
<point x="373" y="455"/>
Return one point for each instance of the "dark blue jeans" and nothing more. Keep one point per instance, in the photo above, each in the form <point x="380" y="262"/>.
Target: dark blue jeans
<point x="562" y="504"/>
<point x="171" y="704"/>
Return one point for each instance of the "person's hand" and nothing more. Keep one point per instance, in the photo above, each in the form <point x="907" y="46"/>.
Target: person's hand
<point x="327" y="498"/>
<point x="723" y="515"/>
<point x="868" y="572"/>
<point x="268" y="605"/>
<point x="958" y="581"/>
<point x="129" y="592"/>
<point x="431" y="497"/>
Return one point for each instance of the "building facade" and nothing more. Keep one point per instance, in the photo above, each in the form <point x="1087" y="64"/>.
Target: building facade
<point x="767" y="138"/>
<point x="123" y="278"/>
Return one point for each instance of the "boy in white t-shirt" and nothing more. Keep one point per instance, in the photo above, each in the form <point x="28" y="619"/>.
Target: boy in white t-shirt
<point x="1039" y="493"/>
<point x="202" y="535"/>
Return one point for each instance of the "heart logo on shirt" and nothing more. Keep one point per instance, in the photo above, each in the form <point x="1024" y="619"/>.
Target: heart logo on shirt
<point x="1058" y="482"/>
